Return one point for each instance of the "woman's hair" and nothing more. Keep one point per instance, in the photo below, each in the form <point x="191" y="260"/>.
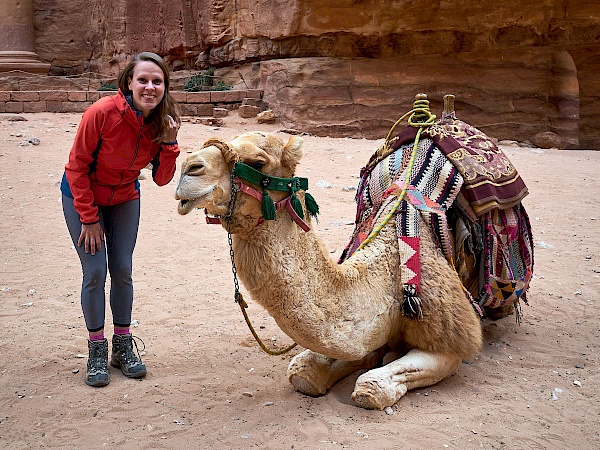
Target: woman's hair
<point x="167" y="106"/>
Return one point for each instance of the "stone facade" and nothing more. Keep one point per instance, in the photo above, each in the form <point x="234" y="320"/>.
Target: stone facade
<point x="191" y="103"/>
<point x="17" y="43"/>
<point x="515" y="66"/>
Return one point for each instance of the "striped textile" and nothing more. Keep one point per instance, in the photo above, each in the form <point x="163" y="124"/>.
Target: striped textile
<point x="460" y="181"/>
<point x="434" y="185"/>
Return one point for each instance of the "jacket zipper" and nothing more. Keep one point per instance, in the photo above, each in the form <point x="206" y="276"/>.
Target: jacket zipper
<point x="135" y="153"/>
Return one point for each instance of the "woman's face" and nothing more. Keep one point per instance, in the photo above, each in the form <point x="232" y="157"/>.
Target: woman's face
<point x="147" y="85"/>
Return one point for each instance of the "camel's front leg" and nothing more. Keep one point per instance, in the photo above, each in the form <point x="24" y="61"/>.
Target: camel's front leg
<point x="384" y="386"/>
<point x="312" y="373"/>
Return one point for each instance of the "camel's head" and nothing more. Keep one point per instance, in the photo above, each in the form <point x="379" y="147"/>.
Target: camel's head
<point x="205" y="180"/>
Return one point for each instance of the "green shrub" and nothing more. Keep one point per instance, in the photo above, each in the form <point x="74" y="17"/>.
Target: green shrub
<point x="221" y="86"/>
<point x="104" y="86"/>
<point x="204" y="82"/>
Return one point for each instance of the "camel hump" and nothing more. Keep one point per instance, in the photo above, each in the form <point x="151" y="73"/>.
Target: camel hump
<point x="490" y="192"/>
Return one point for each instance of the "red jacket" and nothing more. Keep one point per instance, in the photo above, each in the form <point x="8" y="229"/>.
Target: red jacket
<point x="111" y="147"/>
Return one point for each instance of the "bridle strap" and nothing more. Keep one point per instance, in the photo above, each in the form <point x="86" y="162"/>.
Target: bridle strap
<point x="282" y="204"/>
<point x="286" y="203"/>
<point x="269" y="182"/>
<point x="249" y="190"/>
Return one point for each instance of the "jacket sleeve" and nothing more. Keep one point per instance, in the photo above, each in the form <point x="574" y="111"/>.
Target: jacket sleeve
<point x="82" y="159"/>
<point x="163" y="165"/>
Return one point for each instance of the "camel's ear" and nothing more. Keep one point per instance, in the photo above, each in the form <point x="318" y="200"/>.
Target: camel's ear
<point x="292" y="153"/>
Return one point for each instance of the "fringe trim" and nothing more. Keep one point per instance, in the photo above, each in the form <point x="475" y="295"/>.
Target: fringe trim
<point x="412" y="307"/>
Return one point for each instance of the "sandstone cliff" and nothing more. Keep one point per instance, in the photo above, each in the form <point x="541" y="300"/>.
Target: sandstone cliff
<point x="351" y="68"/>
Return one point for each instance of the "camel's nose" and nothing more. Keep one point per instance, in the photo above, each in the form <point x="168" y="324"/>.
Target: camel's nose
<point x="177" y="191"/>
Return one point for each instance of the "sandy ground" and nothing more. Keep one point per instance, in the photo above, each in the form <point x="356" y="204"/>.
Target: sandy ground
<point x="533" y="386"/>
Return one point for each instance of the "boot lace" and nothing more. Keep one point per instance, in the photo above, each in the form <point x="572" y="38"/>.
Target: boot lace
<point x="98" y="359"/>
<point x="128" y="354"/>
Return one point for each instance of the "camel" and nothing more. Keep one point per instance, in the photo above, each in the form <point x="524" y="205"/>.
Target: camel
<point x="347" y="316"/>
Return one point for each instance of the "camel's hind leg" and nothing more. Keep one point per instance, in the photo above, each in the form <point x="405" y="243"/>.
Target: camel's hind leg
<point x="312" y="373"/>
<point x="382" y="387"/>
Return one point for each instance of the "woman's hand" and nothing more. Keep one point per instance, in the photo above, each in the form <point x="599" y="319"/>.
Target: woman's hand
<point x="171" y="133"/>
<point x="91" y="236"/>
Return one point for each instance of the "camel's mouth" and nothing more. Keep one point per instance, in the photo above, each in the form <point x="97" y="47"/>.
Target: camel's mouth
<point x="186" y="205"/>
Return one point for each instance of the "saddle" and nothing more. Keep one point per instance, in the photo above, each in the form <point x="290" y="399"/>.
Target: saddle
<point x="460" y="183"/>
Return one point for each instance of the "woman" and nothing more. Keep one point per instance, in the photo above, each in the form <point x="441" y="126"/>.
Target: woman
<point x="118" y="136"/>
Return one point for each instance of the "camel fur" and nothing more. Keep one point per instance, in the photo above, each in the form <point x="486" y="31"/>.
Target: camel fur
<point x="348" y="316"/>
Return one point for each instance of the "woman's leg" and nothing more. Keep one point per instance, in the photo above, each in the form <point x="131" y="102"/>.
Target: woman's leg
<point x="122" y="222"/>
<point x="121" y="227"/>
<point x="92" y="299"/>
<point x="93" y="268"/>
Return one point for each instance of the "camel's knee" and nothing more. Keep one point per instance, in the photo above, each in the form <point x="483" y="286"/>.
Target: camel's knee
<point x="312" y="373"/>
<point x="308" y="372"/>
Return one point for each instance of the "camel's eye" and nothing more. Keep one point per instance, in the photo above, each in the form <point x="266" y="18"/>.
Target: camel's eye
<point x="195" y="169"/>
<point x="257" y="165"/>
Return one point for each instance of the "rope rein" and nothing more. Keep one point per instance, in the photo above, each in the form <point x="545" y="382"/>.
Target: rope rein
<point x="239" y="298"/>
<point x="420" y="117"/>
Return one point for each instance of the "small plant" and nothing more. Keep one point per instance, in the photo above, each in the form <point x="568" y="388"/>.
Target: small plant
<point x="105" y="86"/>
<point x="204" y="82"/>
<point x="200" y="82"/>
<point x="221" y="86"/>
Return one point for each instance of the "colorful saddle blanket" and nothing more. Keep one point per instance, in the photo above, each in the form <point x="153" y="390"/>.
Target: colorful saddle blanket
<point x="470" y="194"/>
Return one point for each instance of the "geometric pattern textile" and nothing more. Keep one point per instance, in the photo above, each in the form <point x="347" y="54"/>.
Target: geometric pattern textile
<point x="434" y="185"/>
<point x="508" y="257"/>
<point x="460" y="181"/>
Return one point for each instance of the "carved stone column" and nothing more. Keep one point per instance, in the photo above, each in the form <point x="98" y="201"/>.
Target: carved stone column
<point x="565" y="96"/>
<point x="17" y="44"/>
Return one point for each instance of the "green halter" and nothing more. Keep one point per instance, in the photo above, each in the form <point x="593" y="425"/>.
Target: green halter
<point x="272" y="183"/>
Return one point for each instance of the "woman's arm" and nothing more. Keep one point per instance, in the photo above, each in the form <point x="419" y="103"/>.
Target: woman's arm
<point x="81" y="159"/>
<point x="163" y="165"/>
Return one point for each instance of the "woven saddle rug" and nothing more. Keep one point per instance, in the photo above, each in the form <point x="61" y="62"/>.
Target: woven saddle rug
<point x="467" y="190"/>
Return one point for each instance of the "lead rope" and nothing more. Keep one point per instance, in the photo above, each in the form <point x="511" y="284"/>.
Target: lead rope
<point x="420" y="117"/>
<point x="239" y="299"/>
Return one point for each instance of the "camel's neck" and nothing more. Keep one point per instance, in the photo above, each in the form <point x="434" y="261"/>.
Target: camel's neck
<point x="320" y="304"/>
<point x="277" y="257"/>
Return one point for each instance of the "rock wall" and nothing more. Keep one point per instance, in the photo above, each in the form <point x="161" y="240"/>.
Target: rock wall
<point x="350" y="67"/>
<point x="364" y="97"/>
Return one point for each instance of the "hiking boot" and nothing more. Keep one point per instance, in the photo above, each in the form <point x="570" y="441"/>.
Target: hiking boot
<point x="97" y="366"/>
<point x="124" y="357"/>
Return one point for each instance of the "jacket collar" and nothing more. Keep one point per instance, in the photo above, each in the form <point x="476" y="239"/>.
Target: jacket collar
<point x="124" y="102"/>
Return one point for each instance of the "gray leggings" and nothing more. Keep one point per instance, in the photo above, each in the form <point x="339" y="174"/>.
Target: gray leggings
<point x="120" y="224"/>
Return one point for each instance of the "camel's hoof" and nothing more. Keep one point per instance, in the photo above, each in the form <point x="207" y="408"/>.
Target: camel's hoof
<point x="371" y="392"/>
<point x="305" y="386"/>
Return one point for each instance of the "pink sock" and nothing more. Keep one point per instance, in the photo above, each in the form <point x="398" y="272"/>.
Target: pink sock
<point x="121" y="330"/>
<point x="97" y="335"/>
